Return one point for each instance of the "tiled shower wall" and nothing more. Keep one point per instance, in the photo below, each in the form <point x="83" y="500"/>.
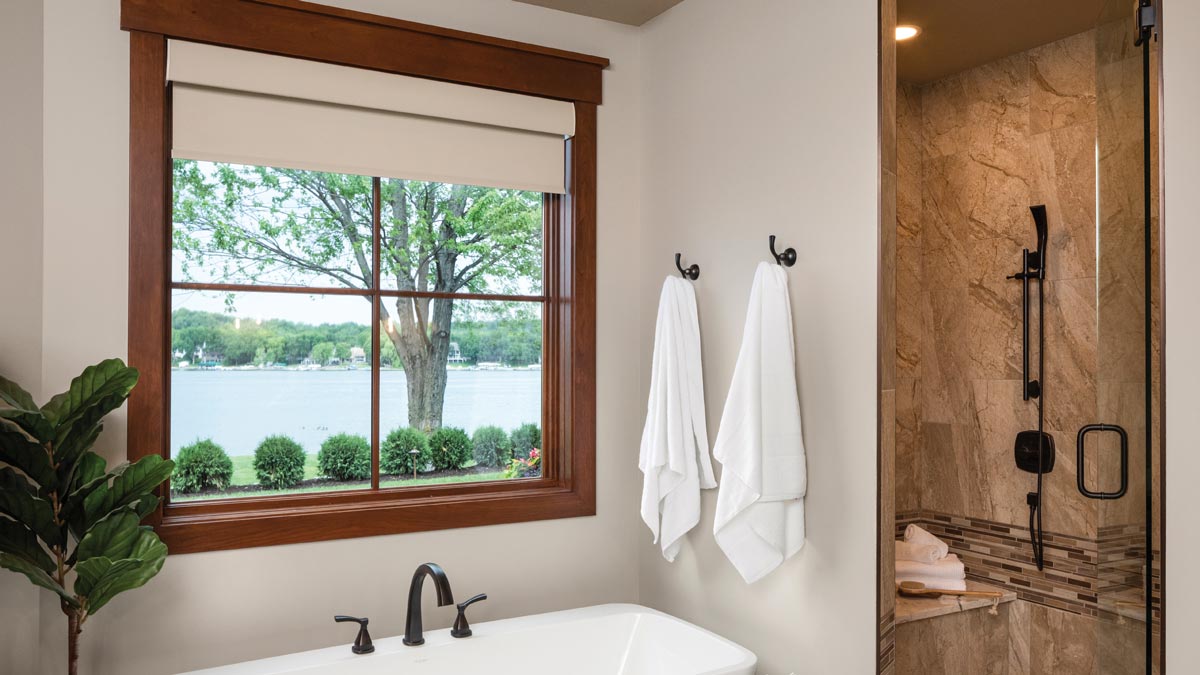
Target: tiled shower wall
<point x="1058" y="125"/>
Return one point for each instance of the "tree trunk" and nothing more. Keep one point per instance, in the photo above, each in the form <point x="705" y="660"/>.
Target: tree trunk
<point x="73" y="631"/>
<point x="423" y="343"/>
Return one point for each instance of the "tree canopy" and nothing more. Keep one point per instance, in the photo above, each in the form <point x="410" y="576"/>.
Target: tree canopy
<point x="259" y="225"/>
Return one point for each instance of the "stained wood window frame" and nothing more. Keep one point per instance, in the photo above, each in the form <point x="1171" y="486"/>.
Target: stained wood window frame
<point x="567" y="487"/>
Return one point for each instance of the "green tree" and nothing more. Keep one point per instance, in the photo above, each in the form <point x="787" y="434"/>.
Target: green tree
<point x="322" y="352"/>
<point x="254" y="223"/>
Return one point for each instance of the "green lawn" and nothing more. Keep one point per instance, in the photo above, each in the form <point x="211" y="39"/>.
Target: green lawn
<point x="243" y="474"/>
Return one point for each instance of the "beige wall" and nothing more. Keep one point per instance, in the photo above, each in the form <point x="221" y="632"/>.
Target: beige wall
<point x="20" y="270"/>
<point x="214" y="608"/>
<point x="758" y="122"/>
<point x="1181" y="241"/>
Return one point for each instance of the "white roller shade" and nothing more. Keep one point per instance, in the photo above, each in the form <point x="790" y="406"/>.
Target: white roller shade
<point x="248" y="108"/>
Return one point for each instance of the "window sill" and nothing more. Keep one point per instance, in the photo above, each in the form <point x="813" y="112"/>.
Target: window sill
<point x="194" y="527"/>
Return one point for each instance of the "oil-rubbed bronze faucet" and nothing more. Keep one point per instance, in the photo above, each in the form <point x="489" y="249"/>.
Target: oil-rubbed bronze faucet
<point x="413" y="633"/>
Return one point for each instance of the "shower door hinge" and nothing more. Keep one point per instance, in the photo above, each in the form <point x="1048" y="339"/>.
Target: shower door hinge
<point x="1146" y="18"/>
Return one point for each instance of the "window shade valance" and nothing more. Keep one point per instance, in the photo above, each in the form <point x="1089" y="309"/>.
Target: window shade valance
<point x="245" y="107"/>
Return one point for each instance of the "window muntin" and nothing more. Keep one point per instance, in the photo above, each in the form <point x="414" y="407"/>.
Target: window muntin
<point x="282" y="260"/>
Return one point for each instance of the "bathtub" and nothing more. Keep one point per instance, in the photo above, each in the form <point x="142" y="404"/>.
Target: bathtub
<point x="600" y="640"/>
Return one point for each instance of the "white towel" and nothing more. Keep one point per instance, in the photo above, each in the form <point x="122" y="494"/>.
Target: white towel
<point x="674" y="451"/>
<point x="922" y="553"/>
<point x="920" y="536"/>
<point x="760" y="507"/>
<point x="938" y="584"/>
<point x="949" y="567"/>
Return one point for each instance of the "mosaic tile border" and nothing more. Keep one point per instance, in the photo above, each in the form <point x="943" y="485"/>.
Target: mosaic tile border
<point x="1082" y="576"/>
<point x="887" y="643"/>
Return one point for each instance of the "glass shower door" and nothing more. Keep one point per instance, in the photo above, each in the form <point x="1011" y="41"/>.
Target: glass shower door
<point x="1117" y="454"/>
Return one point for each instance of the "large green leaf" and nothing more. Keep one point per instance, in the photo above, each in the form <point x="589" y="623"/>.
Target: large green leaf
<point x="101" y="578"/>
<point x="18" y="540"/>
<point x="112" y="537"/>
<point x="88" y="471"/>
<point x="31" y="421"/>
<point x="104" y="385"/>
<point x="36" y="575"/>
<point x="12" y="394"/>
<point x="72" y="440"/>
<point x="130" y="483"/>
<point x="19" y="501"/>
<point x="18" y="451"/>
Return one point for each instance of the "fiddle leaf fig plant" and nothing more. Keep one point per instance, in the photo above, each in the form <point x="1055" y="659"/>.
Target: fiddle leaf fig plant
<point x="67" y="522"/>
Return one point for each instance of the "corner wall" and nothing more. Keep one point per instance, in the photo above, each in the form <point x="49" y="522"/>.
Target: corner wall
<point x="20" y="271"/>
<point x="750" y="129"/>
<point x="1181" y="241"/>
<point x="209" y="609"/>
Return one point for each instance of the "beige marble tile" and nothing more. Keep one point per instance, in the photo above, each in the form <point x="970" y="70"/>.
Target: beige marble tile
<point x="1065" y="510"/>
<point x="974" y="642"/>
<point x="887" y="287"/>
<point x="1063" y="82"/>
<point x="945" y="250"/>
<point x="909" y="328"/>
<point x="908" y="425"/>
<point x="1070" y="372"/>
<point x="1018" y="638"/>
<point x="1063" y="163"/>
<point x="887" y="74"/>
<point x="1061" y="643"/>
<point x="887" y="501"/>
<point x="909" y="157"/>
<point x="945" y="116"/>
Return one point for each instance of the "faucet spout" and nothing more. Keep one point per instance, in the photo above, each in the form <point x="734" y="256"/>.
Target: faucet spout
<point x="414" y="633"/>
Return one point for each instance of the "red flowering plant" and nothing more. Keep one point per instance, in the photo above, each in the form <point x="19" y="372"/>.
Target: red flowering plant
<point x="530" y="467"/>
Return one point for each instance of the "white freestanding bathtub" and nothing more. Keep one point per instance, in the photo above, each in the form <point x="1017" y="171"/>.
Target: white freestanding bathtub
<point x="600" y="640"/>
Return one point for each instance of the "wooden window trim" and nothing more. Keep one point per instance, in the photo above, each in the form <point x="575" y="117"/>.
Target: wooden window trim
<point x="568" y="486"/>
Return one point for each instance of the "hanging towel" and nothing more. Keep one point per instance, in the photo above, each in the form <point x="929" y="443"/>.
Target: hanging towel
<point x="674" y="451"/>
<point x="949" y="567"/>
<point x="914" y="534"/>
<point x="760" y="507"/>
<point x="922" y="553"/>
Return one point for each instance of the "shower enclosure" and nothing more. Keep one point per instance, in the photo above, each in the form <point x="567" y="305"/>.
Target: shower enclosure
<point x="1019" y="332"/>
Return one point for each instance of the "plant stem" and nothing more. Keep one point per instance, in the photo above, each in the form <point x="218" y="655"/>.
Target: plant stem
<point x="73" y="631"/>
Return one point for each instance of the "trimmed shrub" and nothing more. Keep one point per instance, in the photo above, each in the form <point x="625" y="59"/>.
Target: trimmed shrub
<point x="451" y="448"/>
<point x="395" y="453"/>
<point x="203" y="465"/>
<point x="345" y="457"/>
<point x="525" y="438"/>
<point x="279" y="462"/>
<point x="491" y="446"/>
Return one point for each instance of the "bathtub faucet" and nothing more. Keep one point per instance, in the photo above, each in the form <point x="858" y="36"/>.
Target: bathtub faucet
<point x="413" y="632"/>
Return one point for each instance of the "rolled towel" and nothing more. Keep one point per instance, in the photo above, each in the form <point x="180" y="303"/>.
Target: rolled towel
<point x="938" y="584"/>
<point x="922" y="553"/>
<point x="949" y="567"/>
<point x="916" y="535"/>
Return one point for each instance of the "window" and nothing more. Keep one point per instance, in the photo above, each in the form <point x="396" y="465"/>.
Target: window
<point x="278" y="357"/>
<point x="320" y="274"/>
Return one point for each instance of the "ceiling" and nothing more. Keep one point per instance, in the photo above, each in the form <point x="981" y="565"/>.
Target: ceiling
<point x="632" y="12"/>
<point x="960" y="34"/>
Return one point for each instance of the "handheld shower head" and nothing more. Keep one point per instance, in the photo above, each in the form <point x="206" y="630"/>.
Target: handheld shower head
<point x="1039" y="222"/>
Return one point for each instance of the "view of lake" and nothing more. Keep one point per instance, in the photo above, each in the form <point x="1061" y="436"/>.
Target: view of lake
<point x="238" y="408"/>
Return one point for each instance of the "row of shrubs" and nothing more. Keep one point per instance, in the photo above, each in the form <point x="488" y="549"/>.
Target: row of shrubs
<point x="279" y="460"/>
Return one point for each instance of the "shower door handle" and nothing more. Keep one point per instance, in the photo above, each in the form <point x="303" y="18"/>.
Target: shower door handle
<point x="1081" y="461"/>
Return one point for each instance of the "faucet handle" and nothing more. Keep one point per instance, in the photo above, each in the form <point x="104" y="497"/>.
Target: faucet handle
<point x="362" y="643"/>
<point x="461" y="628"/>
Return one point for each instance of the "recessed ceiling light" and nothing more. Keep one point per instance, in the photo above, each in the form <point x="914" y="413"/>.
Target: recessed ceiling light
<point x="906" y="32"/>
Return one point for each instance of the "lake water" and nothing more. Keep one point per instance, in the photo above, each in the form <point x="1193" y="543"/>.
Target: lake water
<point x="238" y="408"/>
